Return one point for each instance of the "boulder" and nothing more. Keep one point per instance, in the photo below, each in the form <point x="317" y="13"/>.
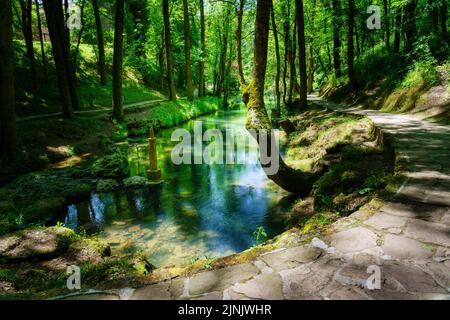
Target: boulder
<point x="105" y="185"/>
<point x="45" y="208"/>
<point x="133" y="182"/>
<point x="35" y="243"/>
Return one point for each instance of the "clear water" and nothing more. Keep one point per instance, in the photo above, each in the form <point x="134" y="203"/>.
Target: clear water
<point x="200" y="210"/>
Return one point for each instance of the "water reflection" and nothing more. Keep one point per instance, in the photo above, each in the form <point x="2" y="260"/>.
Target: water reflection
<point x="200" y="210"/>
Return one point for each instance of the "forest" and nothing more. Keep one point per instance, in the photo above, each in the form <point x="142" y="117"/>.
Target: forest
<point x="348" y="99"/>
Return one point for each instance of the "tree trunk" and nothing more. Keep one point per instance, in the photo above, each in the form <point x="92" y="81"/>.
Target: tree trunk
<point x="310" y="71"/>
<point x="161" y="62"/>
<point x="302" y="53"/>
<point x="101" y="44"/>
<point x="410" y="24"/>
<point x="167" y="38"/>
<point x="8" y="132"/>
<point x="240" y="14"/>
<point x="295" y="85"/>
<point x="41" y="41"/>
<point x="26" y="6"/>
<point x="203" y="48"/>
<point x="398" y="26"/>
<point x="276" y="111"/>
<point x="386" y="25"/>
<point x="444" y="17"/>
<point x="287" y="53"/>
<point x="55" y="23"/>
<point x="351" y="25"/>
<point x="118" y="61"/>
<point x="187" y="51"/>
<point x="336" y="37"/>
<point x="257" y="119"/>
<point x="434" y="19"/>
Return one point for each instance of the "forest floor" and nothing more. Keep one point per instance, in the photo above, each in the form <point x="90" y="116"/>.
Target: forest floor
<point x="406" y="236"/>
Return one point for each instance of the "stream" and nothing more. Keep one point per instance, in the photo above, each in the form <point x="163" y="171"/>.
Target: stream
<point x="200" y="210"/>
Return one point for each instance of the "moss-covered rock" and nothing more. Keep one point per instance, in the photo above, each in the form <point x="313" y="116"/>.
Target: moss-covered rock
<point x="113" y="166"/>
<point x="35" y="243"/>
<point x="105" y="185"/>
<point x="134" y="182"/>
<point x="91" y="250"/>
<point x="45" y="209"/>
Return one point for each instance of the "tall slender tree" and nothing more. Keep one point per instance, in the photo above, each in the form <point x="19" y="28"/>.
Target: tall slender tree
<point x="350" y="50"/>
<point x="169" y="59"/>
<point x="336" y="37"/>
<point x="240" y="14"/>
<point x="65" y="75"/>
<point x="100" y="43"/>
<point x="302" y="53"/>
<point x="276" y="111"/>
<point x="187" y="51"/>
<point x="8" y="132"/>
<point x="118" y="61"/>
<point x="202" y="52"/>
<point x="41" y="41"/>
<point x="27" y="23"/>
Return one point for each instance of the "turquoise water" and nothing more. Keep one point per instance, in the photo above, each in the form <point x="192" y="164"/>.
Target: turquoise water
<point x="199" y="210"/>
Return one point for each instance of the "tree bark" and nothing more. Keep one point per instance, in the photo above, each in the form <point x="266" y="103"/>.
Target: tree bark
<point x="41" y="41"/>
<point x="310" y="71"/>
<point x="386" y="25"/>
<point x="203" y="48"/>
<point x="434" y="19"/>
<point x="302" y="53"/>
<point x="350" y="53"/>
<point x="8" y="131"/>
<point x="336" y="37"/>
<point x="398" y="26"/>
<point x="167" y="38"/>
<point x="26" y="7"/>
<point x="55" y="23"/>
<point x="276" y="112"/>
<point x="187" y="51"/>
<point x="410" y="24"/>
<point x="444" y="17"/>
<point x="118" y="61"/>
<point x="240" y="14"/>
<point x="100" y="43"/>
<point x="257" y="119"/>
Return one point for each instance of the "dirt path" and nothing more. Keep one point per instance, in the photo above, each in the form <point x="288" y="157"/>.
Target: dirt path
<point x="406" y="240"/>
<point x="102" y="110"/>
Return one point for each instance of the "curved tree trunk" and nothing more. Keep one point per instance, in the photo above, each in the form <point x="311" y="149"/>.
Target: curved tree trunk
<point x="117" y="61"/>
<point x="287" y="178"/>
<point x="8" y="132"/>
<point x="187" y="51"/>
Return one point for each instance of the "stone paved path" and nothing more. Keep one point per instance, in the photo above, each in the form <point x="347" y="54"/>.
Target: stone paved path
<point x="408" y="239"/>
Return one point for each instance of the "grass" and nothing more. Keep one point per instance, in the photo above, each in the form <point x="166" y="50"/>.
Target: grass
<point x="90" y="93"/>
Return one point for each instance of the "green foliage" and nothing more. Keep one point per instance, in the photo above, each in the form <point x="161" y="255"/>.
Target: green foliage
<point x="260" y="235"/>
